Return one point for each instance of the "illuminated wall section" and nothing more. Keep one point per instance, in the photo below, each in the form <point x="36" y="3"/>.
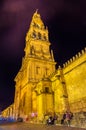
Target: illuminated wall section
<point x="45" y="98"/>
<point x="75" y="76"/>
<point x="60" y="94"/>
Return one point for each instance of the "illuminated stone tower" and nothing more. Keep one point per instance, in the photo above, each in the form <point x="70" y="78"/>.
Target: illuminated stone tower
<point x="38" y="63"/>
<point x="40" y="89"/>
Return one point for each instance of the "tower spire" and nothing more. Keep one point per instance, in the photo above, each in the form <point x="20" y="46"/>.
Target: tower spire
<point x="37" y="39"/>
<point x="36" y="11"/>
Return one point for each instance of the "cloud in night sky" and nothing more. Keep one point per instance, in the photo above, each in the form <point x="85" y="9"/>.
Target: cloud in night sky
<point x="66" y="21"/>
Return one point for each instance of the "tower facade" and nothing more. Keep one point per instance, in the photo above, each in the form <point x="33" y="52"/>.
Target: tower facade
<point x="38" y="63"/>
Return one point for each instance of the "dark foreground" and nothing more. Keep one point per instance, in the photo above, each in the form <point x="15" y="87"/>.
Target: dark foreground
<point x="27" y="126"/>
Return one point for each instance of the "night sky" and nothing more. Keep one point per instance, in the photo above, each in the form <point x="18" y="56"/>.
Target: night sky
<point x="66" y="21"/>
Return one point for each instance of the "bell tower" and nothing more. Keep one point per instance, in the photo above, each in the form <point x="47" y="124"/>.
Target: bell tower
<point x="37" y="63"/>
<point x="38" y="48"/>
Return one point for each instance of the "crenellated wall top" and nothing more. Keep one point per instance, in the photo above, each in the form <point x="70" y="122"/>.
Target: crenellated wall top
<point x="74" y="58"/>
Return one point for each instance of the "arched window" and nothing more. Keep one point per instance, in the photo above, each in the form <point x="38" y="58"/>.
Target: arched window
<point x="39" y="35"/>
<point x="34" y="34"/>
<point x="32" y="50"/>
<point x="46" y="89"/>
<point x="45" y="37"/>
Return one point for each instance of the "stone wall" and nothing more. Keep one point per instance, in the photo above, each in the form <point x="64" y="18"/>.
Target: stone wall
<point x="75" y="78"/>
